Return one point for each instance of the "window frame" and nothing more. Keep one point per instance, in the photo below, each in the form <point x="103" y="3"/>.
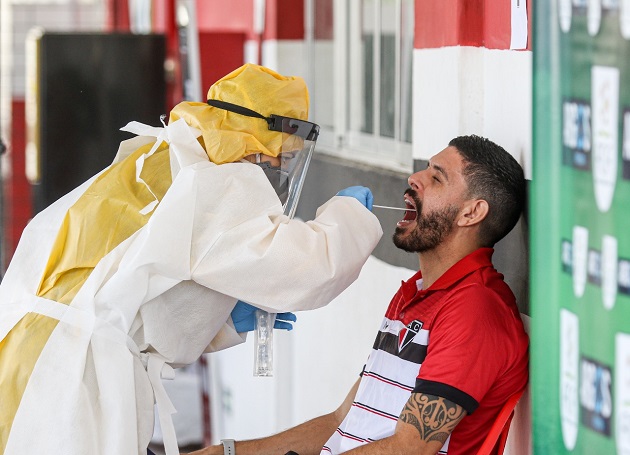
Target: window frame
<point x="345" y="139"/>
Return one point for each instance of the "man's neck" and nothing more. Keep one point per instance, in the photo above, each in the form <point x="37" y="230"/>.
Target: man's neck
<point x="434" y="263"/>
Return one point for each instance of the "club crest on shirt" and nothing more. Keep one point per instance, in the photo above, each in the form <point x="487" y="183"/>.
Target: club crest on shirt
<point x="408" y="333"/>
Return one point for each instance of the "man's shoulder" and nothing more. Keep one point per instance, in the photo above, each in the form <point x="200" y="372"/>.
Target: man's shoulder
<point x="481" y="291"/>
<point x="485" y="280"/>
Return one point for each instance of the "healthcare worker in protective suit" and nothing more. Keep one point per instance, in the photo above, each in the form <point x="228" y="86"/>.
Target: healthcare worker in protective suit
<point x="138" y="270"/>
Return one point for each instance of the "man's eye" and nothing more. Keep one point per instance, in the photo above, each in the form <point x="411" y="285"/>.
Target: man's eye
<point x="436" y="179"/>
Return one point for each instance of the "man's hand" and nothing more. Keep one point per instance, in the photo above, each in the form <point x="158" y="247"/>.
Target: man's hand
<point x="243" y="317"/>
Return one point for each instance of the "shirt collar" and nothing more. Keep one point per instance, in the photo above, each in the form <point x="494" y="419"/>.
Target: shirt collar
<point x="476" y="260"/>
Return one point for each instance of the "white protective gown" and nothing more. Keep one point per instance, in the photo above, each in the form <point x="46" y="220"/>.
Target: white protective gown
<point x="164" y="296"/>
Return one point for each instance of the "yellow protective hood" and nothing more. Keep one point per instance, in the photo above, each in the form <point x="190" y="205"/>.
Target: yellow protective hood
<point x="228" y="136"/>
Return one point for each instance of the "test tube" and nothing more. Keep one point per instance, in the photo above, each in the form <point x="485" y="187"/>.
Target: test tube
<point x="263" y="343"/>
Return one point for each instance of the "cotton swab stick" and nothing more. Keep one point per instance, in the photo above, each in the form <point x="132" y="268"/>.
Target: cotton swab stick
<point x="393" y="208"/>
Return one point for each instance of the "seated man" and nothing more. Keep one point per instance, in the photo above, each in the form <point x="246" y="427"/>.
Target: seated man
<point x="452" y="347"/>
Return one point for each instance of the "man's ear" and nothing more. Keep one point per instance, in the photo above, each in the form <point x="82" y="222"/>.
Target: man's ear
<point x="474" y="212"/>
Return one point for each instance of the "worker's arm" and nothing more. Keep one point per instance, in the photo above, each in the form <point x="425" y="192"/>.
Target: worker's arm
<point x="250" y="237"/>
<point x="305" y="439"/>
<point x="423" y="426"/>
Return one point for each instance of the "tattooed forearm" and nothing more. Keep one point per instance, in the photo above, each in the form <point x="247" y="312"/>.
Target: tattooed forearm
<point x="433" y="417"/>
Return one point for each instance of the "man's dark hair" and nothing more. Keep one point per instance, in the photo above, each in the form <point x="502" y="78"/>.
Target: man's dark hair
<point x="494" y="175"/>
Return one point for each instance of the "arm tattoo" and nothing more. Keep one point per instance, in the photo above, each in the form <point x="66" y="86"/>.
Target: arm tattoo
<point x="434" y="417"/>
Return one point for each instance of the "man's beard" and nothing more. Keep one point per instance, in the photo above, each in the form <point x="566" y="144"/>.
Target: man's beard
<point x="429" y="232"/>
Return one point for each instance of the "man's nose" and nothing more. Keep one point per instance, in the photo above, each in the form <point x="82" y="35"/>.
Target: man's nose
<point x="415" y="180"/>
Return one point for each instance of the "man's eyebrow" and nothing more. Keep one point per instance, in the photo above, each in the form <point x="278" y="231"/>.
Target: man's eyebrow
<point x="440" y="169"/>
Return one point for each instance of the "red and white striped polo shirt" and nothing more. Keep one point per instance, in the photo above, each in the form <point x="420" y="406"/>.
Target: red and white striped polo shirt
<point x="461" y="339"/>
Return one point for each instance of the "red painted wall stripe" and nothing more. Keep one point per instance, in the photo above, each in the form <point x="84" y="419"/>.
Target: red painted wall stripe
<point x="225" y="16"/>
<point x="219" y="54"/>
<point x="480" y="23"/>
<point x="17" y="190"/>
<point x="284" y="20"/>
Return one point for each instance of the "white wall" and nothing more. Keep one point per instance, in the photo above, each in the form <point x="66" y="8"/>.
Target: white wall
<point x="464" y="90"/>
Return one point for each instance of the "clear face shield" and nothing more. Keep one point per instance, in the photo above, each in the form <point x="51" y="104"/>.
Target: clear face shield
<point x="287" y="171"/>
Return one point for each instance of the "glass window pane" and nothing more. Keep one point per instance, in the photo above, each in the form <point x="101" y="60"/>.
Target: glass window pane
<point x="406" y="67"/>
<point x="367" y="54"/>
<point x="323" y="68"/>
<point x="379" y="65"/>
<point x="388" y="68"/>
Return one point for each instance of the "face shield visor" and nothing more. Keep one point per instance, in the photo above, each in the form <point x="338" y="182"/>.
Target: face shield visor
<point x="286" y="171"/>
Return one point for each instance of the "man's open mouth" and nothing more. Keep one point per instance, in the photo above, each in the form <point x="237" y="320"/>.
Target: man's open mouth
<point x="410" y="213"/>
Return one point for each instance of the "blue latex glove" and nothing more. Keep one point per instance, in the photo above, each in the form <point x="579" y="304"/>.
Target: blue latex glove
<point x="243" y="317"/>
<point x="361" y="194"/>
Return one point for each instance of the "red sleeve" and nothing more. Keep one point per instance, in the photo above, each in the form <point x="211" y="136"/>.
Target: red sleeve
<point x="464" y="353"/>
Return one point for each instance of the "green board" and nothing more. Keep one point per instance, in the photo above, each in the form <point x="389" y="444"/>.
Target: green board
<point x="580" y="228"/>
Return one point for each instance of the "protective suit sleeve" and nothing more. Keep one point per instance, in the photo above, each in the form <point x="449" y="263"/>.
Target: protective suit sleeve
<point x="270" y="261"/>
<point x="226" y="337"/>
